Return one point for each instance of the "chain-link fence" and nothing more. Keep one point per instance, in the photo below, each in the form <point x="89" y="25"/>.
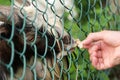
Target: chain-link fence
<point x="38" y="38"/>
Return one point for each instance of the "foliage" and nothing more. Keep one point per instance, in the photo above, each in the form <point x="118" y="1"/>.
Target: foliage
<point x="5" y="2"/>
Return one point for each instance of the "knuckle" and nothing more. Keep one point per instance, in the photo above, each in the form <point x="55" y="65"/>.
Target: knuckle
<point x="90" y="34"/>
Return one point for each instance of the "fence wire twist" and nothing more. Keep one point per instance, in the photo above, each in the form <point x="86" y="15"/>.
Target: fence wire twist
<point x="38" y="38"/>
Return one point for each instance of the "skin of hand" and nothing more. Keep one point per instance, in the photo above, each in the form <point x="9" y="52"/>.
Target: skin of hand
<point x="104" y="49"/>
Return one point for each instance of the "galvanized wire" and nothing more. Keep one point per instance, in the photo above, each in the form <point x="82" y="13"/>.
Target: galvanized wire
<point x="35" y="34"/>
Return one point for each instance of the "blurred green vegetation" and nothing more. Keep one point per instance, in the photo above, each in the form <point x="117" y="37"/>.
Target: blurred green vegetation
<point x="4" y="2"/>
<point x="93" y="16"/>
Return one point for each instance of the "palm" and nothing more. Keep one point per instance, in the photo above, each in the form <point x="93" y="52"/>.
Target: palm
<point x="103" y="56"/>
<point x="107" y="56"/>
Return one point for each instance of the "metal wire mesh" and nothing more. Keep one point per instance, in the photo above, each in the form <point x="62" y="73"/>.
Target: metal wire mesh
<point x="37" y="38"/>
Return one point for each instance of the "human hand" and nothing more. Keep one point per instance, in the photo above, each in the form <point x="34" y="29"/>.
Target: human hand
<point x="104" y="49"/>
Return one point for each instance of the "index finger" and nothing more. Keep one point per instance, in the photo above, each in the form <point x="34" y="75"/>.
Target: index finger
<point x="92" y="37"/>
